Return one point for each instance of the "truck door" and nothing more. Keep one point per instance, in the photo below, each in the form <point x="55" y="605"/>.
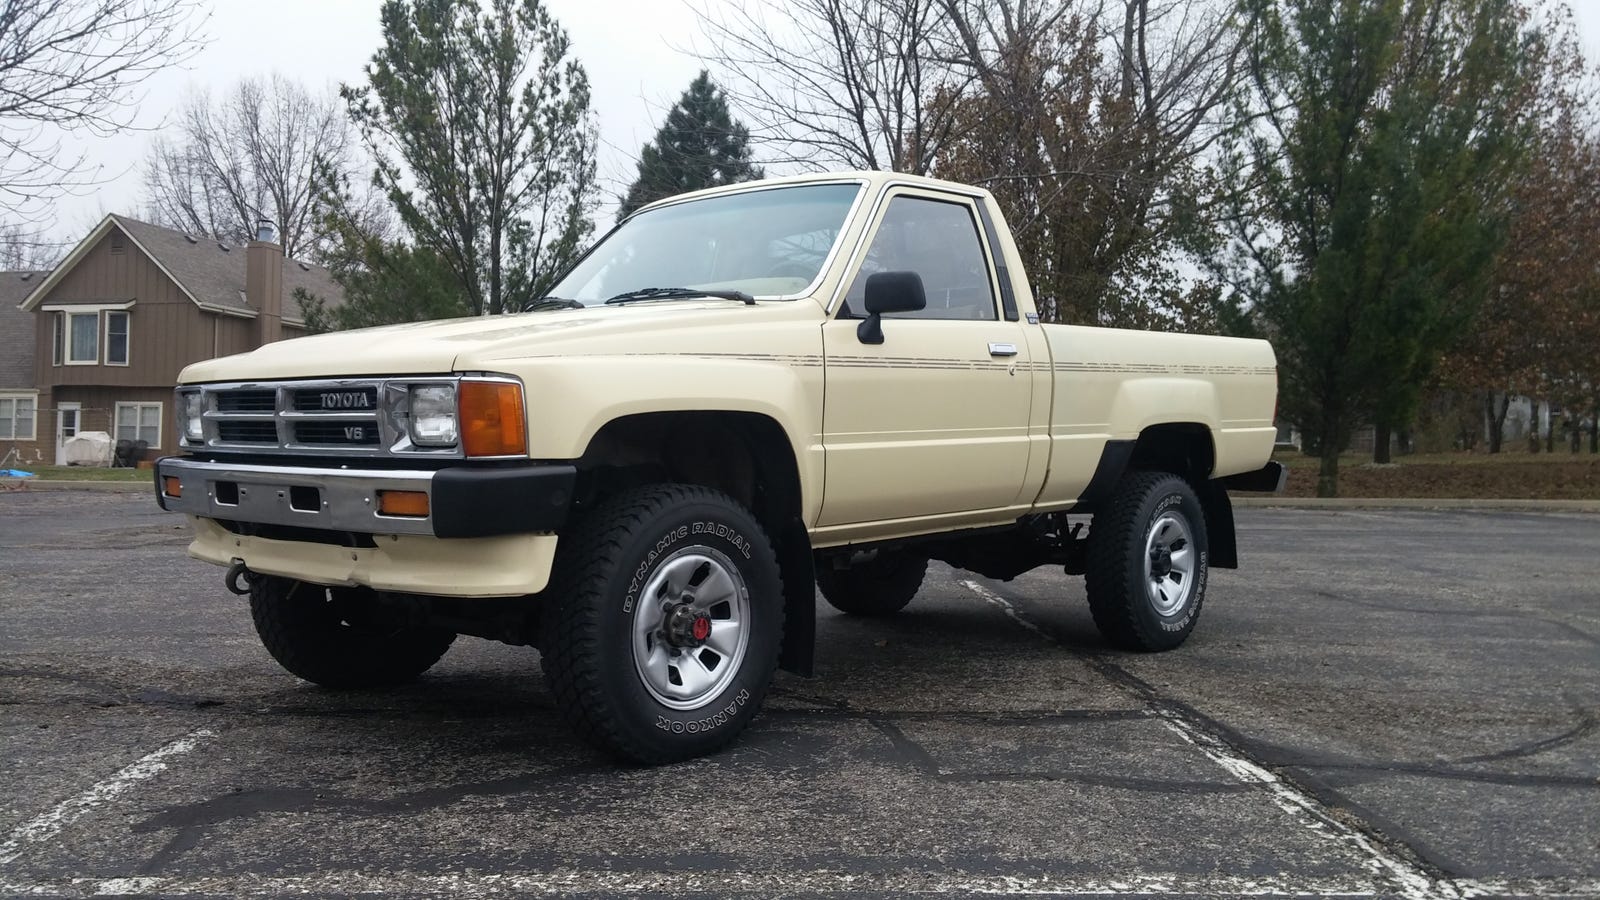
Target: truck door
<point x="934" y="420"/>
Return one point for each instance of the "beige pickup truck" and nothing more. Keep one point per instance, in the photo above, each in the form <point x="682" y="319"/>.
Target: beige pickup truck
<point x="735" y="397"/>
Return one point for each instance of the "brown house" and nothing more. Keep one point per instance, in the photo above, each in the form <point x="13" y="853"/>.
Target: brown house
<point x="133" y="304"/>
<point x="19" y="398"/>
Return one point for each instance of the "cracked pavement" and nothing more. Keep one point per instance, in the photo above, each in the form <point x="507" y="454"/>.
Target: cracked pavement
<point x="1379" y="703"/>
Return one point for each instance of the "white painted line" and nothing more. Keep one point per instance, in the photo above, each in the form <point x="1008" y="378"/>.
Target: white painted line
<point x="48" y="824"/>
<point x="1409" y="879"/>
<point x="563" y="882"/>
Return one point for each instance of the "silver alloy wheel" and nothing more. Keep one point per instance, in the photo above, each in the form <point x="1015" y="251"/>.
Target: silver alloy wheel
<point x="1169" y="563"/>
<point x="681" y="669"/>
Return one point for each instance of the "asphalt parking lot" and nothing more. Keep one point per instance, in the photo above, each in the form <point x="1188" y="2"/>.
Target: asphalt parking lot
<point x="1379" y="703"/>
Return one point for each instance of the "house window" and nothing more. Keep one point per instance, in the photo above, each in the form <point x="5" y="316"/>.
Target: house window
<point x="116" y="338"/>
<point x="83" y="339"/>
<point x="139" y="422"/>
<point x="17" y="417"/>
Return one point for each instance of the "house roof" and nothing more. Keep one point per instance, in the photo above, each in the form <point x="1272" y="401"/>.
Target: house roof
<point x="211" y="272"/>
<point x="16" y="329"/>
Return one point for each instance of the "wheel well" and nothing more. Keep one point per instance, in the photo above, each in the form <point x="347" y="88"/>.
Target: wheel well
<point x="746" y="456"/>
<point x="1186" y="449"/>
<point x="1182" y="448"/>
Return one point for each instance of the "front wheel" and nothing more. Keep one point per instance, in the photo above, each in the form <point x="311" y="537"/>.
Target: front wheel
<point x="665" y="621"/>
<point x="1147" y="567"/>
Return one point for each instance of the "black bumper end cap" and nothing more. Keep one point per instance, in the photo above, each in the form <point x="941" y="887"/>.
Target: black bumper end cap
<point x="470" y="503"/>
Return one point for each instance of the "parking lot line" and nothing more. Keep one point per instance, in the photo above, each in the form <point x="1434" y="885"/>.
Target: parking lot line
<point x="1409" y="879"/>
<point x="48" y="824"/>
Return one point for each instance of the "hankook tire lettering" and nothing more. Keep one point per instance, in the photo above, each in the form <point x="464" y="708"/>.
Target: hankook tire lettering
<point x="695" y="726"/>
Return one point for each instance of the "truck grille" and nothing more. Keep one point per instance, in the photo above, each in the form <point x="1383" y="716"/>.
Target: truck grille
<point x="348" y="434"/>
<point x="247" y="401"/>
<point x="361" y="399"/>
<point x="247" y="432"/>
<point x="344" y="417"/>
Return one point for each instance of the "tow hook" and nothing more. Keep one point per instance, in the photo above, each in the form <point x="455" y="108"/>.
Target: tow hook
<point x="231" y="580"/>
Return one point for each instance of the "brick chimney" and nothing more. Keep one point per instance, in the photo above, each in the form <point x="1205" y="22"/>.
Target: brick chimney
<point x="263" y="282"/>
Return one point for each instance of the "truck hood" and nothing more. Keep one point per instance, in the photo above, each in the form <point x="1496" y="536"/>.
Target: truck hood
<point x="474" y="344"/>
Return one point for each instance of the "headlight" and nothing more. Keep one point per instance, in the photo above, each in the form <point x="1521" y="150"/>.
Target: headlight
<point x="191" y="412"/>
<point x="433" y="415"/>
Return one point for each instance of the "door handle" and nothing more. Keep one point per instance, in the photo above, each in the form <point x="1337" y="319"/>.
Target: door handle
<point x="996" y="349"/>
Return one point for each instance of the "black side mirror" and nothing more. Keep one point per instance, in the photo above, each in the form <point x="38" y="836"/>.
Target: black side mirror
<point x="889" y="292"/>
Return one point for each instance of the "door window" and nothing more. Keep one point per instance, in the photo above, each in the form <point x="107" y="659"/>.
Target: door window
<point x="939" y="241"/>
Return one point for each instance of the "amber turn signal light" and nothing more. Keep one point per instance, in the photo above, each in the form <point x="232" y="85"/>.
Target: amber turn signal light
<point x="492" y="421"/>
<point x="403" y="503"/>
<point x="171" y="486"/>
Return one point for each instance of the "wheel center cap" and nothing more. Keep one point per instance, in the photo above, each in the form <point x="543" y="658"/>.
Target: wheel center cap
<point x="686" y="627"/>
<point x="1160" y="561"/>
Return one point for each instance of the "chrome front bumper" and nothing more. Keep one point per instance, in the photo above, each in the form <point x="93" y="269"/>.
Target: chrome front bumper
<point x="462" y="501"/>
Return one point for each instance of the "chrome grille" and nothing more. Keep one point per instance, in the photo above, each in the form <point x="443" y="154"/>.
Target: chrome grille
<point x="360" y="399"/>
<point x="247" y="432"/>
<point x="247" y="401"/>
<point x="358" y="417"/>
<point x="348" y="434"/>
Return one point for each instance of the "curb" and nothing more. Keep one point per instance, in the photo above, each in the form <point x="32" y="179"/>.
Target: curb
<point x="29" y="485"/>
<point x="1415" y="503"/>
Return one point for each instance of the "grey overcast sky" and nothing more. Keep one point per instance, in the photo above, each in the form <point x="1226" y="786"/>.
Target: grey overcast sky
<point x="632" y="49"/>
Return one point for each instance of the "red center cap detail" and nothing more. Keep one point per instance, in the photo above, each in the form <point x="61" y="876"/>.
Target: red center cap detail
<point x="701" y="629"/>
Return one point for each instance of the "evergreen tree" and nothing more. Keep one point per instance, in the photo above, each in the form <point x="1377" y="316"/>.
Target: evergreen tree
<point x="1380" y="143"/>
<point x="700" y="146"/>
<point x="479" y="121"/>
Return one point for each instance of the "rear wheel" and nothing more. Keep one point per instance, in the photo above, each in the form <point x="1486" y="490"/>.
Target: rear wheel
<point x="1147" y="566"/>
<point x="880" y="586"/>
<point x="665" y="618"/>
<point x="341" y="637"/>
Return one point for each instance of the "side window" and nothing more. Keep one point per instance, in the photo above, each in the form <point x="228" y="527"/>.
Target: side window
<point x="938" y="241"/>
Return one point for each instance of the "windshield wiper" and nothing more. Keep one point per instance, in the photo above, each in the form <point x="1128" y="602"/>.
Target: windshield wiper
<point x="675" y="293"/>
<point x="544" y="303"/>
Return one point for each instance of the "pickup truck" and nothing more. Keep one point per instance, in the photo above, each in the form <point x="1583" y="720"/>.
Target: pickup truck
<point x="734" y="398"/>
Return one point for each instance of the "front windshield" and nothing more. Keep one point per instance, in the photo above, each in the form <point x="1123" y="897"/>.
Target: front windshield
<point x="766" y="243"/>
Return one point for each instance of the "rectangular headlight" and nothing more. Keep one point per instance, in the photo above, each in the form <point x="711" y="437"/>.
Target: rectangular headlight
<point x="191" y="416"/>
<point x="433" y="415"/>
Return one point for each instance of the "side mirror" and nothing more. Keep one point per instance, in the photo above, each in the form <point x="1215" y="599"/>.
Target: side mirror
<point x="889" y="292"/>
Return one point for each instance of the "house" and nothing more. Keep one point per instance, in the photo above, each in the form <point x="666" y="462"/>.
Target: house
<point x="134" y="303"/>
<point x="19" y="399"/>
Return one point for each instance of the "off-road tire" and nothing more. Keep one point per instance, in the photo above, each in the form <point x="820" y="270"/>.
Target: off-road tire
<point x="1116" y="577"/>
<point x="881" y="586"/>
<point x="301" y="625"/>
<point x="603" y="564"/>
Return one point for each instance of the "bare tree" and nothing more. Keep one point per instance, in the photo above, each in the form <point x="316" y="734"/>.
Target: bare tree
<point x="249" y="154"/>
<point x="1092" y="123"/>
<point x="1090" y="119"/>
<point x="866" y="84"/>
<point x="71" y="66"/>
<point x="26" y="249"/>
